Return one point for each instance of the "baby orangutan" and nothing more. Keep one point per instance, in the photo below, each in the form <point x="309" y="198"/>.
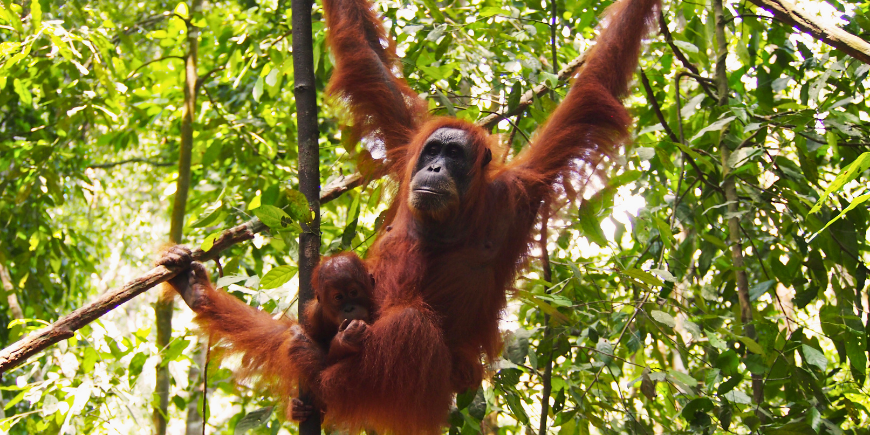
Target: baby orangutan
<point x="337" y="319"/>
<point x="335" y="323"/>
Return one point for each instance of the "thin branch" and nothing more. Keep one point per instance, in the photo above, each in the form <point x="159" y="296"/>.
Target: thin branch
<point x="132" y="160"/>
<point x="529" y="96"/>
<point x="651" y="98"/>
<point x="637" y="309"/>
<point x="201" y="79"/>
<point x="132" y="73"/>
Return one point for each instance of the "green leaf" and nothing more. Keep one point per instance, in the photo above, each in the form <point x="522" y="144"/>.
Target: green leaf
<point x="855" y="202"/>
<point x="298" y="206"/>
<point x="174" y="351"/>
<point x="716" y="126"/>
<point x="434" y="10"/>
<point x="726" y="413"/>
<point x="856" y="350"/>
<point x="682" y="377"/>
<point x="350" y="229"/>
<point x="516" y="407"/>
<point x="664" y="228"/>
<point x="752" y="345"/>
<point x="258" y="89"/>
<point x="714" y="240"/>
<point x="274" y="217"/>
<point x="252" y="420"/>
<point x="814" y="357"/>
<point x="36" y="14"/>
<point x="604" y="350"/>
<point x="277" y="276"/>
<point x="701" y="404"/>
<point x="759" y="289"/>
<point x="849" y="173"/>
<point x="663" y="317"/>
<point x="207" y="244"/>
<point x="738" y="396"/>
<point x="491" y="11"/>
<point x="644" y="277"/>
<point x="793" y="428"/>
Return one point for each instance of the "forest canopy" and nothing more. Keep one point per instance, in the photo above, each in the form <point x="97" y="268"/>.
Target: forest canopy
<point x="713" y="278"/>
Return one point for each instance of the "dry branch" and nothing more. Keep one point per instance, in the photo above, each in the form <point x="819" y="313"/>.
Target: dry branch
<point x="834" y="36"/>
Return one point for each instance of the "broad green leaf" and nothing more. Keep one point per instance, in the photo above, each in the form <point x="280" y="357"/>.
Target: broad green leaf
<point x="298" y="206"/>
<point x="751" y="344"/>
<point x="759" y="289"/>
<point x="258" y="89"/>
<point x="225" y="281"/>
<point x="644" y="277"/>
<point x="491" y="10"/>
<point x="701" y="404"/>
<point x="814" y="357"/>
<point x="682" y="377"/>
<point x="738" y="396"/>
<point x="277" y="276"/>
<point x="252" y="420"/>
<point x="716" y="126"/>
<point x="663" y="317"/>
<point x="273" y="217"/>
<point x="516" y="407"/>
<point x="714" y="240"/>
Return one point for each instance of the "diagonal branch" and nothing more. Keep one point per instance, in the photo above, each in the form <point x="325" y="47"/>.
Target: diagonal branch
<point x="834" y="36"/>
<point x="529" y="96"/>
<point x="65" y="327"/>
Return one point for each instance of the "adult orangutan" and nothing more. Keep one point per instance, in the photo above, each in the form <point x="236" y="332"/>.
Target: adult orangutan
<point x="459" y="229"/>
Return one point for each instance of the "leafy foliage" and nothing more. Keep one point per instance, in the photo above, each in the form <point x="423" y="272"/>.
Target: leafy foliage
<point x="640" y="321"/>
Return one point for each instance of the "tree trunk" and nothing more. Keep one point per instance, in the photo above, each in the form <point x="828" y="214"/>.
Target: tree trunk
<point x="163" y="308"/>
<point x="11" y="297"/>
<point x="730" y="188"/>
<point x="309" y="165"/>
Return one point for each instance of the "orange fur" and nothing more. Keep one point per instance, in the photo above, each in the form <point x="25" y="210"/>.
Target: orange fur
<point x="440" y="281"/>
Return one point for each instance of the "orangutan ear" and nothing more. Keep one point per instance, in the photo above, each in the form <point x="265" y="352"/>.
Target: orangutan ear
<point x="487" y="157"/>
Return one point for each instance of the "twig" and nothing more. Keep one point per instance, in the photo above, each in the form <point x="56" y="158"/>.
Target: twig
<point x="651" y="98"/>
<point x="616" y="343"/>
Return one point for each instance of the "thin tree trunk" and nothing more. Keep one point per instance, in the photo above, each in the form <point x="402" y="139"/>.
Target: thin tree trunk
<point x="195" y="422"/>
<point x="834" y="36"/>
<point x="11" y="297"/>
<point x="730" y="188"/>
<point x="547" y="340"/>
<point x="309" y="166"/>
<point x="163" y="308"/>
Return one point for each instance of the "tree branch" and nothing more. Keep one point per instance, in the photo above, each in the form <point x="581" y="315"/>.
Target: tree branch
<point x="63" y="328"/>
<point x="133" y="160"/>
<point x="129" y="76"/>
<point x="836" y="37"/>
<point x="66" y="326"/>
<point x="529" y="96"/>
